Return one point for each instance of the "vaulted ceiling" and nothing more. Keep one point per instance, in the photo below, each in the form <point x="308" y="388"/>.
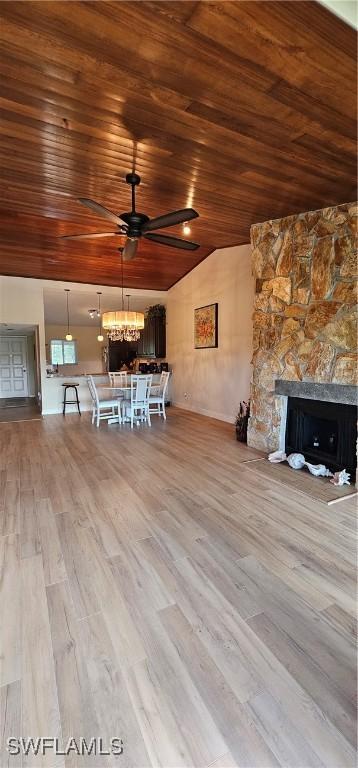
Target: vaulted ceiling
<point x="243" y="110"/>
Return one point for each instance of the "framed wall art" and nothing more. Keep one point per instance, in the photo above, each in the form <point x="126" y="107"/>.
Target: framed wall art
<point x="206" y="327"/>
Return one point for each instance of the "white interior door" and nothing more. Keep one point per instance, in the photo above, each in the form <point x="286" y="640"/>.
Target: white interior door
<point x="13" y="366"/>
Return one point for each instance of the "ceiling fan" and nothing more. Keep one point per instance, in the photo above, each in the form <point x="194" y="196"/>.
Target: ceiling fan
<point x="136" y="225"/>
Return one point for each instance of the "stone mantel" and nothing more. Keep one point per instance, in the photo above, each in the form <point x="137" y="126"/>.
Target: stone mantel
<point x="332" y="393"/>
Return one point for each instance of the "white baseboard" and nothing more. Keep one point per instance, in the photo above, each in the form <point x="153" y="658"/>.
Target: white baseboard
<point x="205" y="412"/>
<point x="69" y="409"/>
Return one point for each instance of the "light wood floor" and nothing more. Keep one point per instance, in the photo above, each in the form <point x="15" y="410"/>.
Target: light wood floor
<point x="157" y="588"/>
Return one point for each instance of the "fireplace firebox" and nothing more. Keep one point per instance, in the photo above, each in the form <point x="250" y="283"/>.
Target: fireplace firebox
<point x="326" y="433"/>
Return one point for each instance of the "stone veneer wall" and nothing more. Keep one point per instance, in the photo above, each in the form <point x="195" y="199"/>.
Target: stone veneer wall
<point x="305" y="318"/>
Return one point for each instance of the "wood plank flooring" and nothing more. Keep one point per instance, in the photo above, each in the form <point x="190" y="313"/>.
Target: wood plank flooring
<point x="318" y="488"/>
<point x="19" y="409"/>
<point x="157" y="587"/>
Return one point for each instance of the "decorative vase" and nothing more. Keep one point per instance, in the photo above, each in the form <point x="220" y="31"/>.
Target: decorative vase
<point x="242" y="421"/>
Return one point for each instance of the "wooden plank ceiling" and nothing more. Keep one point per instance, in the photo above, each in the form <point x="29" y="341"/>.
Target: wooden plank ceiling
<point x="243" y="110"/>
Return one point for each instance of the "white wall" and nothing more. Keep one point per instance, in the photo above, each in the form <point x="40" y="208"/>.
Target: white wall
<point x="89" y="350"/>
<point x="346" y="9"/>
<point x="21" y="303"/>
<point x="213" y="381"/>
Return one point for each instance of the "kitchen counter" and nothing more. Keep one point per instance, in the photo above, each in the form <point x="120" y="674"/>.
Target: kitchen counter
<point x="72" y="376"/>
<point x="54" y="392"/>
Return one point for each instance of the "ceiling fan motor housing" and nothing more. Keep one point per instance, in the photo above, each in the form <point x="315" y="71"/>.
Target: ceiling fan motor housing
<point x="135" y="222"/>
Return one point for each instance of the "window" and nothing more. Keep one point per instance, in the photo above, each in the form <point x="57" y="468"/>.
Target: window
<point x="63" y="352"/>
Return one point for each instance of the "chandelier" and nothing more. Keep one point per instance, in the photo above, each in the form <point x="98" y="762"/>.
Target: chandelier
<point x="123" y="325"/>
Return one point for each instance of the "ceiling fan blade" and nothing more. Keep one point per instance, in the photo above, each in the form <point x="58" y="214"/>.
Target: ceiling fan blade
<point x="130" y="249"/>
<point x="170" y="219"/>
<point x="89" y="236"/>
<point x="102" y="211"/>
<point x="174" y="242"/>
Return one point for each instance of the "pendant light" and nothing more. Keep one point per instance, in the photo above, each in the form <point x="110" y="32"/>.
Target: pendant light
<point x="123" y="325"/>
<point x="68" y="334"/>
<point x="100" y="335"/>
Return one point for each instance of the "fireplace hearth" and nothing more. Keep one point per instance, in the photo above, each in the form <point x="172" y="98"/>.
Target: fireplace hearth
<point x="325" y="432"/>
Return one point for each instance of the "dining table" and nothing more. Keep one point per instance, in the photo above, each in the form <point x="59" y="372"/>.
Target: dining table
<point x="125" y="390"/>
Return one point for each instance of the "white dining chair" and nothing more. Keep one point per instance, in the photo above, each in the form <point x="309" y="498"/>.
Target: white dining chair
<point x="120" y="379"/>
<point x="108" y="408"/>
<point x="157" y="400"/>
<point x="137" y="408"/>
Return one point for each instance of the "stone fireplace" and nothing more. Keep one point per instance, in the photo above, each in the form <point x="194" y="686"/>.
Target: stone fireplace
<point x="321" y="423"/>
<point x="305" y="314"/>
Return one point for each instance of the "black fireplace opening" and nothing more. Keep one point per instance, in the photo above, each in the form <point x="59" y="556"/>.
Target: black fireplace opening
<point x="326" y="433"/>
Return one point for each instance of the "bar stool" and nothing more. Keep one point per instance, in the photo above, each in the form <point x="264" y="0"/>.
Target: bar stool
<point x="67" y="386"/>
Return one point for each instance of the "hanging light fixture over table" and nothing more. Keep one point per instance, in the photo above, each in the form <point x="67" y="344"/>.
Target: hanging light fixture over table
<point x="68" y="334"/>
<point x="100" y="334"/>
<point x="123" y="325"/>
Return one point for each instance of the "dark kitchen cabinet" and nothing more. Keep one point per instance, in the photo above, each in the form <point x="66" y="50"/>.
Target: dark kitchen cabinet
<point x="121" y="353"/>
<point x="146" y="343"/>
<point x="159" y="331"/>
<point x="152" y="341"/>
